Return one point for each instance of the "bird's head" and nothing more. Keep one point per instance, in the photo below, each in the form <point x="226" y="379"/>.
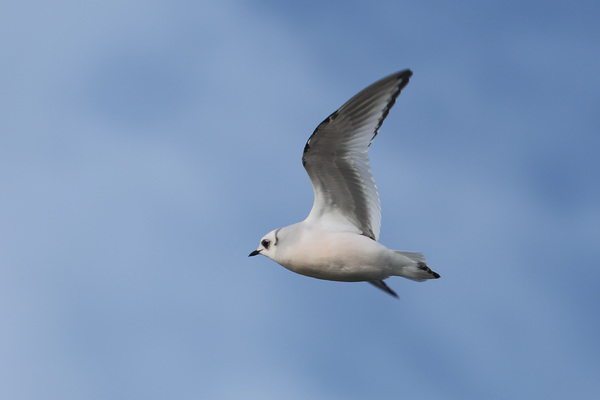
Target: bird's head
<point x="267" y="246"/>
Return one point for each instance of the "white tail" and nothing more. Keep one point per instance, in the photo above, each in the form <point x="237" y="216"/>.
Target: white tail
<point x="418" y="270"/>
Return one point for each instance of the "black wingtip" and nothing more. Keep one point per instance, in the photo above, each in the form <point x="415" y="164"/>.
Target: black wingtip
<point x="422" y="266"/>
<point x="382" y="285"/>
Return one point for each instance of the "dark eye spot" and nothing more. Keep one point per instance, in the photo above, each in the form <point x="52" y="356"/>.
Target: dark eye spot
<point x="266" y="243"/>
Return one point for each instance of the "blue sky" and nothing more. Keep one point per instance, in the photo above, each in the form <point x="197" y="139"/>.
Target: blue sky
<point x="146" y="146"/>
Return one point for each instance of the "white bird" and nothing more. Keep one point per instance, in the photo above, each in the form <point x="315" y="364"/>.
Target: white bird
<point x="338" y="239"/>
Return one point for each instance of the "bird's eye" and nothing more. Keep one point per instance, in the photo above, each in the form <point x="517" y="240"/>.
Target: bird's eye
<point x="266" y="243"/>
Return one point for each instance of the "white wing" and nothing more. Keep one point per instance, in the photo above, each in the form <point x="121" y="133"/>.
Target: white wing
<point x="336" y="160"/>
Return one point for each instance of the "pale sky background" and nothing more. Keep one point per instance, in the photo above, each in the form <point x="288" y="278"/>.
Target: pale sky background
<point x="146" y="146"/>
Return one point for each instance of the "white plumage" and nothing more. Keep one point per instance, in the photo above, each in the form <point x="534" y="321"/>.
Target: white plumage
<point x="338" y="239"/>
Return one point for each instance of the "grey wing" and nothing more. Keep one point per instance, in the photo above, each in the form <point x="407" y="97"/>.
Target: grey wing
<point x="383" y="286"/>
<point x="336" y="159"/>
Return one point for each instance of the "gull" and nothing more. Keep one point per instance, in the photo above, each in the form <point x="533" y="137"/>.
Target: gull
<point x="338" y="239"/>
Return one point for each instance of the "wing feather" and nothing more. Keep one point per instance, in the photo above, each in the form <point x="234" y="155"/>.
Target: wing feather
<point x="336" y="159"/>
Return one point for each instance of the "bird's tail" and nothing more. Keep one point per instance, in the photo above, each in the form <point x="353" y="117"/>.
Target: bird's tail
<point x="417" y="270"/>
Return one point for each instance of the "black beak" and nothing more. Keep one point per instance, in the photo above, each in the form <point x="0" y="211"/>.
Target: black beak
<point x="255" y="252"/>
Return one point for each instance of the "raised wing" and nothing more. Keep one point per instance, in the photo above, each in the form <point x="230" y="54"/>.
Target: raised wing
<point x="336" y="160"/>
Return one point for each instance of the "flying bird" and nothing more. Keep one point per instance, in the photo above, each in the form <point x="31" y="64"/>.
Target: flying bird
<point x="338" y="239"/>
